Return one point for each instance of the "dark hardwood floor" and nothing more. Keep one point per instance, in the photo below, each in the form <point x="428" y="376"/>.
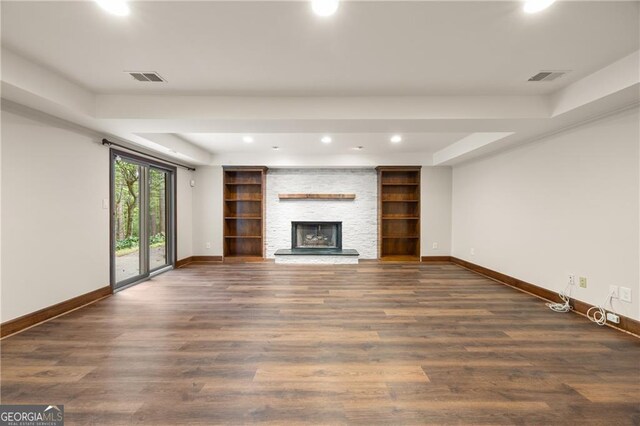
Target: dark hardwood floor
<point x="392" y="343"/>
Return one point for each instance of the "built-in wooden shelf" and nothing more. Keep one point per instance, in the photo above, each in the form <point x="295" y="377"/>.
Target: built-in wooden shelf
<point x="317" y="196"/>
<point x="399" y="213"/>
<point x="244" y="189"/>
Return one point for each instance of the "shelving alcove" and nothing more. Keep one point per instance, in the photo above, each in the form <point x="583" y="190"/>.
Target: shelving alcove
<point x="244" y="205"/>
<point x="399" y="213"/>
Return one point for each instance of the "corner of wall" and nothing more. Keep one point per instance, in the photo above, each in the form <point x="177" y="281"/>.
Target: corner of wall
<point x="207" y="218"/>
<point x="436" y="188"/>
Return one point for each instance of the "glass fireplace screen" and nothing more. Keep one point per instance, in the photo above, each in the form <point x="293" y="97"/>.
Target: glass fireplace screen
<point x="316" y="235"/>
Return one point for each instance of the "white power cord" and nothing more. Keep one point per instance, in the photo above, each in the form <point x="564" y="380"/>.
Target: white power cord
<point x="599" y="315"/>
<point x="565" y="296"/>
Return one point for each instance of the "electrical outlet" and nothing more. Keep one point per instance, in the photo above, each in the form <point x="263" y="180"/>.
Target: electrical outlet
<point x="434" y="246"/>
<point x="583" y="282"/>
<point x="473" y="251"/>
<point x="613" y="290"/>
<point x="625" y="294"/>
<point x="572" y="279"/>
<point x="207" y="245"/>
<point x="611" y="317"/>
<point x="105" y="203"/>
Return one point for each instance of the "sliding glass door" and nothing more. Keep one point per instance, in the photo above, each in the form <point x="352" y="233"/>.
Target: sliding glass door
<point x="158" y="216"/>
<point x="126" y="217"/>
<point x="142" y="218"/>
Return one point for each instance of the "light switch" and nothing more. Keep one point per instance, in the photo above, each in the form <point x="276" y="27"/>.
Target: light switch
<point x="625" y="294"/>
<point x="105" y="204"/>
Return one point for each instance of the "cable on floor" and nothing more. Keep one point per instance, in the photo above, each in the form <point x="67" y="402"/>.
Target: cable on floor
<point x="599" y="315"/>
<point x="565" y="296"/>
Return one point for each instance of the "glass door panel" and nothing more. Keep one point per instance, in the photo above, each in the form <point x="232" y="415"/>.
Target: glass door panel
<point x="143" y="218"/>
<point x="127" y="213"/>
<point x="158" y="217"/>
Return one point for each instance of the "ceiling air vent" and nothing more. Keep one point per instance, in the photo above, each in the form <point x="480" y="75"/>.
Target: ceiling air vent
<point x="548" y="75"/>
<point x="146" y="76"/>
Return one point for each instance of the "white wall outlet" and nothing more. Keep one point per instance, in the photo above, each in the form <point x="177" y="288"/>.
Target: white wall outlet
<point x="625" y="294"/>
<point x="611" y="317"/>
<point x="613" y="291"/>
<point x="583" y="282"/>
<point x="572" y="279"/>
<point x="434" y="246"/>
<point x="105" y="203"/>
<point x="207" y="245"/>
<point x="473" y="251"/>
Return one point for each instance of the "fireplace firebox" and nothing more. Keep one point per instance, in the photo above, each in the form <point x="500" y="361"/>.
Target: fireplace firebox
<point x="316" y="235"/>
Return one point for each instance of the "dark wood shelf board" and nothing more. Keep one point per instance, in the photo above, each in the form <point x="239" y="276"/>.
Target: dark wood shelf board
<point x="242" y="183"/>
<point x="243" y="218"/>
<point x="400" y="218"/>
<point x="400" y="258"/>
<point x="401" y="184"/>
<point x="243" y="236"/>
<point x="243" y="258"/>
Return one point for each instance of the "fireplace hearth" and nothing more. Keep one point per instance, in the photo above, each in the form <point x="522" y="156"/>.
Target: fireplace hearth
<point x="316" y="243"/>
<point x="316" y="236"/>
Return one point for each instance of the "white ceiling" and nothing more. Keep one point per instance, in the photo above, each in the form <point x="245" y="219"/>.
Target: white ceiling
<point x="281" y="48"/>
<point x="450" y="76"/>
<point x="310" y="143"/>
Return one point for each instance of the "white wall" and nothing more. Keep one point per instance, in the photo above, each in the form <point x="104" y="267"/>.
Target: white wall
<point x="184" y="219"/>
<point x="359" y="217"/>
<point x="435" y="206"/>
<point x="565" y="204"/>
<point x="207" y="211"/>
<point x="55" y="241"/>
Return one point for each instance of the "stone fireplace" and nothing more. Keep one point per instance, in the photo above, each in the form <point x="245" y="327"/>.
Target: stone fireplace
<point x="316" y="235"/>
<point x="358" y="217"/>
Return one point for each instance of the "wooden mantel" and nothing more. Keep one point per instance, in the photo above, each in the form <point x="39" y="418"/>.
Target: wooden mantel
<point x="317" y="196"/>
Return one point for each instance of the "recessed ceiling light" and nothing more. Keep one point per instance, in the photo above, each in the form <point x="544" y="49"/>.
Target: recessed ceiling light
<point x="534" y="6"/>
<point x="326" y="139"/>
<point x="116" y="7"/>
<point x="275" y="148"/>
<point x="324" y="7"/>
<point x="396" y="138"/>
<point x="247" y="139"/>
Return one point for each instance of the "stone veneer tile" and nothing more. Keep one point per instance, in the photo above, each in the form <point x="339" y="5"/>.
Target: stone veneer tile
<point x="359" y="217"/>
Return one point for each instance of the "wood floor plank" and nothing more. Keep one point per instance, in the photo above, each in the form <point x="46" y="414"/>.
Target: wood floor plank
<point x="374" y="343"/>
<point x="344" y="372"/>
